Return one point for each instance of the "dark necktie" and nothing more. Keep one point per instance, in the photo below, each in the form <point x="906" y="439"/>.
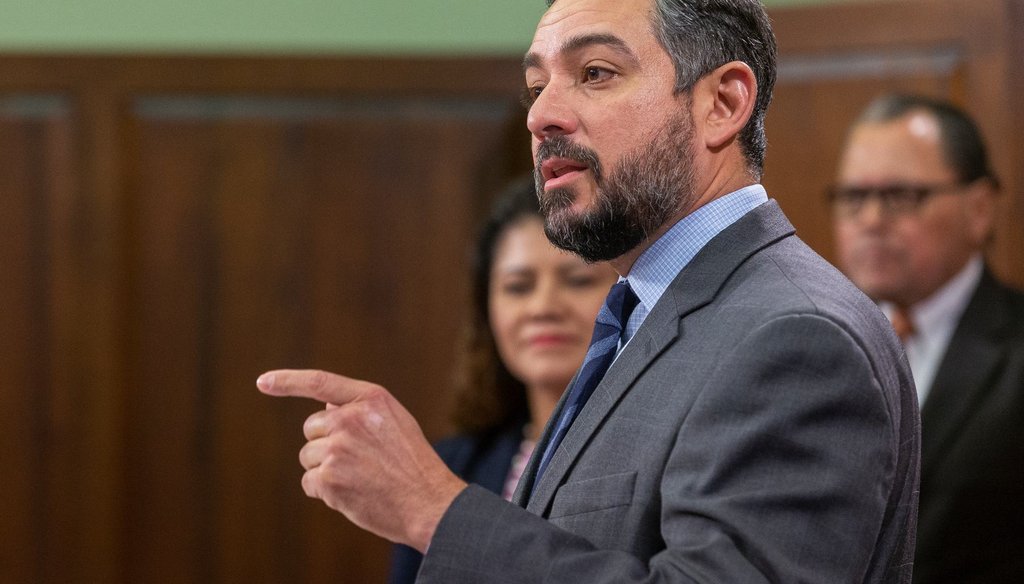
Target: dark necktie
<point x="611" y="322"/>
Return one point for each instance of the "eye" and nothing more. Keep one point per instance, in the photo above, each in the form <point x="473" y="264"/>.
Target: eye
<point x="595" y="74"/>
<point x="580" y="280"/>
<point x="903" y="198"/>
<point x="579" y="276"/>
<point x="852" y="195"/>
<point x="516" y="287"/>
<point x="530" y="95"/>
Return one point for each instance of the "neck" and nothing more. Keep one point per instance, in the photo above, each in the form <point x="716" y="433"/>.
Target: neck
<point x="542" y="401"/>
<point x="715" y="190"/>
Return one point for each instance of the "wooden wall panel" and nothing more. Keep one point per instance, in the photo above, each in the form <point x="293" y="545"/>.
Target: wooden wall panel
<point x="53" y="499"/>
<point x="815" y="102"/>
<point x="269" y="233"/>
<point x="59" y="485"/>
<point x="30" y="126"/>
<point x="835" y="59"/>
<point x="172" y="226"/>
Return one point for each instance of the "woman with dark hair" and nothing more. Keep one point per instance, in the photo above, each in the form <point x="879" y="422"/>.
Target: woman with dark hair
<point x="532" y="313"/>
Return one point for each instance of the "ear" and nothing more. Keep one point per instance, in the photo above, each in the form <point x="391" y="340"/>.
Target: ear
<point x="728" y="94"/>
<point x="980" y="206"/>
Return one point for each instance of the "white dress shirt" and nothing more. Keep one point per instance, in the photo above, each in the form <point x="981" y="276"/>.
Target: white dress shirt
<point x="934" y="319"/>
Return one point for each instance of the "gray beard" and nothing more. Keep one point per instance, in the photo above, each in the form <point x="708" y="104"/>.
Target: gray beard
<point x="649" y="187"/>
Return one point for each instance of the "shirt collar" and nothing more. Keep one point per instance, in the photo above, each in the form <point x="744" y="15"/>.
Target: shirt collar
<point x="943" y="309"/>
<point x="659" y="264"/>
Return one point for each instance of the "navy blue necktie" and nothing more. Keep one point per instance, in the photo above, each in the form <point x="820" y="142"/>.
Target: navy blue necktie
<point x="609" y="328"/>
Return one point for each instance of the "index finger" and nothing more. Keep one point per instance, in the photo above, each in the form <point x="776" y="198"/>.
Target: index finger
<point x="322" y="386"/>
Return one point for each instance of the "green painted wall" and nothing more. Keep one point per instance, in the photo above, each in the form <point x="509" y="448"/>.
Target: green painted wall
<point x="278" y="26"/>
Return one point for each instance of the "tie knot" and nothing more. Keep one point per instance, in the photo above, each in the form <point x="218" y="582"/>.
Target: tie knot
<point x="620" y="302"/>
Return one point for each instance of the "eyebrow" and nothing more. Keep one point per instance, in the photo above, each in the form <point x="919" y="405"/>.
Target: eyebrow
<point x="580" y="42"/>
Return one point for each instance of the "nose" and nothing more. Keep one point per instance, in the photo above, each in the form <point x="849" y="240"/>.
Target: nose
<point x="546" y="301"/>
<point x="551" y="115"/>
<point x="872" y="213"/>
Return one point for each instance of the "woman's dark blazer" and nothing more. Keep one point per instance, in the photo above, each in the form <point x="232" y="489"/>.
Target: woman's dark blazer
<point x="484" y="460"/>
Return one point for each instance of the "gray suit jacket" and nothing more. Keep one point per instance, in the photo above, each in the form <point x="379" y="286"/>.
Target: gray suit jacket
<point x="761" y="426"/>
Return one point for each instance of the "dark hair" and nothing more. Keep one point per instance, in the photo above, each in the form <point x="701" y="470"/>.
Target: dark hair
<point x="487" y="397"/>
<point x="701" y="35"/>
<point x="962" y="145"/>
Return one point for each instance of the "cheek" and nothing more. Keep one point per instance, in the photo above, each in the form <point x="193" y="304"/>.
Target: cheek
<point x="610" y="150"/>
<point x="502" y="321"/>
<point x="586" y="309"/>
<point x="845" y="234"/>
<point x="929" y="252"/>
<point x="934" y="238"/>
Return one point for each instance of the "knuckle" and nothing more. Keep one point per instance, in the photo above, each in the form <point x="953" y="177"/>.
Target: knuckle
<point x="318" y="381"/>
<point x="309" y="484"/>
<point x="314" y="426"/>
<point x="338" y="448"/>
<point x="306" y="458"/>
<point x="332" y="476"/>
<point x="366" y="416"/>
<point x="343" y="417"/>
<point x="375" y="393"/>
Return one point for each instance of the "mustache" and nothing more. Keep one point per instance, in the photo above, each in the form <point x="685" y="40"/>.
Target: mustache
<point x="562" y="147"/>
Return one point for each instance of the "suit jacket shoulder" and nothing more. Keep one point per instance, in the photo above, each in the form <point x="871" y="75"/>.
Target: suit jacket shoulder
<point x="760" y="426"/>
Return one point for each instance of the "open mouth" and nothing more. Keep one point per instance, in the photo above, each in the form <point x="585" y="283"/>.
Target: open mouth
<point x="556" y="168"/>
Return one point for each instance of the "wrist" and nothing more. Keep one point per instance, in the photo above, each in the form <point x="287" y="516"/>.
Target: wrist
<point x="430" y="515"/>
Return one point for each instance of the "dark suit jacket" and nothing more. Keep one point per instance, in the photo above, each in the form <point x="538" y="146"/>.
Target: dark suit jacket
<point x="761" y="426"/>
<point x="482" y="460"/>
<point x="971" y="526"/>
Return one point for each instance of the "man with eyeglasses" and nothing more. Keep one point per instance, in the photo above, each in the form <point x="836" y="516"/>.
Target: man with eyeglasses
<point x="914" y="207"/>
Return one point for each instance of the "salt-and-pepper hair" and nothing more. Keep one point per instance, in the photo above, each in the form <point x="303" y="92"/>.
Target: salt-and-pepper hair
<point x="702" y="35"/>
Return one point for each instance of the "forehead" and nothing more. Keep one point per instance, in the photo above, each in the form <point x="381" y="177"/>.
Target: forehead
<point x="906" y="148"/>
<point x="523" y="244"/>
<point x="628" y="20"/>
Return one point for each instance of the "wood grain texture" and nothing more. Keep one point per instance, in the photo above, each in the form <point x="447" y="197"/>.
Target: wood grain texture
<point x="834" y="59"/>
<point x="170" y="227"/>
<point x="175" y="226"/>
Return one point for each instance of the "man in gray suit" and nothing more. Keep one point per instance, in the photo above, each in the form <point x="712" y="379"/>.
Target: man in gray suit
<point x="757" y="422"/>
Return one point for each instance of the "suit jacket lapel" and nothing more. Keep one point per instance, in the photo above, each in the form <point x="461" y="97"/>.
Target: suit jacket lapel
<point x="695" y="286"/>
<point x="524" y="488"/>
<point x="636" y="356"/>
<point x="974" y="352"/>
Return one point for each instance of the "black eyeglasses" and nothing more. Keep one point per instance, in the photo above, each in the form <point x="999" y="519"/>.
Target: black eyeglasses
<point x="896" y="199"/>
